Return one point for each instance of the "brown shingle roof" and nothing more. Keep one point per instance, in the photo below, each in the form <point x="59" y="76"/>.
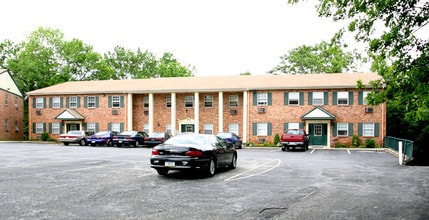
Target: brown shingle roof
<point x="212" y="83"/>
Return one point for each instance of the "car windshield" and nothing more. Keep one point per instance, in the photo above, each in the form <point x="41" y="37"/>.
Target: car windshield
<point x="188" y="139"/>
<point x="75" y="132"/>
<point x="156" y="134"/>
<point x="128" y="133"/>
<point x="295" y="132"/>
<point x="101" y="133"/>
<point x="224" y="135"/>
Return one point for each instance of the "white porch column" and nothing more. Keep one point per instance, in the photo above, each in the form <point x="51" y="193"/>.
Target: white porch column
<point x="220" y="123"/>
<point x="245" y="115"/>
<point x="130" y="112"/>
<point x="151" y="104"/>
<point x="173" y="113"/>
<point x="197" y="112"/>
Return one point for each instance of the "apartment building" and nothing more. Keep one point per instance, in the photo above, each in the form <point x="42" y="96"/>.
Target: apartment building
<point x="256" y="107"/>
<point x="11" y="108"/>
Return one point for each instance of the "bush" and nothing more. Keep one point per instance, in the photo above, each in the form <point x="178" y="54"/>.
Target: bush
<point x="276" y="139"/>
<point x="369" y="143"/>
<point x="355" y="141"/>
<point x="44" y="136"/>
<point x="339" y="145"/>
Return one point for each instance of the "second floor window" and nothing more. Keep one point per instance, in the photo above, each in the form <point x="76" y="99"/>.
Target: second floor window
<point x="168" y="101"/>
<point x="73" y="102"/>
<point x="262" y="98"/>
<point x="293" y="98"/>
<point x="233" y="101"/>
<point x="343" y="98"/>
<point x="6" y="100"/>
<point x="317" y="98"/>
<point x="365" y="94"/>
<point x="208" y="101"/>
<point x="146" y="102"/>
<point x="40" y="102"/>
<point x="116" y="102"/>
<point x="189" y="101"/>
<point x="56" y="102"/>
<point x="91" y="101"/>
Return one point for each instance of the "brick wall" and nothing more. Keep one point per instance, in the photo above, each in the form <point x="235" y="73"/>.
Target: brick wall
<point x="12" y="115"/>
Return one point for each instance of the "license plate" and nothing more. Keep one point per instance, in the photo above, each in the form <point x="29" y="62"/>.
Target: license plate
<point x="169" y="164"/>
<point x="120" y="142"/>
<point x="93" y="142"/>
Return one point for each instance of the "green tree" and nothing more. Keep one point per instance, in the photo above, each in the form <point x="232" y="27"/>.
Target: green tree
<point x="169" y="66"/>
<point x="8" y="50"/>
<point x="321" y="58"/>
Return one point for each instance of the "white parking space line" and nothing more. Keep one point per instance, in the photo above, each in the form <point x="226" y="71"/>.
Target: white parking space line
<point x="348" y="151"/>
<point x="313" y="150"/>
<point x="254" y="171"/>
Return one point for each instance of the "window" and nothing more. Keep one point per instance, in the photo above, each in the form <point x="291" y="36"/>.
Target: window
<point x="40" y="102"/>
<point x="262" y="98"/>
<point x="39" y="128"/>
<point x="16" y="102"/>
<point x="56" y="102"/>
<point x="168" y="101"/>
<point x="146" y="102"/>
<point x="293" y="98"/>
<point x="16" y="126"/>
<point x="318" y="130"/>
<point x="116" y="102"/>
<point x="91" y="101"/>
<point x="56" y="128"/>
<point x="317" y="98"/>
<point x="343" y="129"/>
<point x="368" y="129"/>
<point x="91" y="127"/>
<point x="146" y="127"/>
<point x="262" y="129"/>
<point x="189" y="101"/>
<point x="208" y="128"/>
<point x="116" y="127"/>
<point x="208" y="101"/>
<point x="73" y="102"/>
<point x="233" y="101"/>
<point x="168" y="130"/>
<point x="364" y="95"/>
<point x="6" y="100"/>
<point x="343" y="98"/>
<point x="233" y="127"/>
<point x="6" y="125"/>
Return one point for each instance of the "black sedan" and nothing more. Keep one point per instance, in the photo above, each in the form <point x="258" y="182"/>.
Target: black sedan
<point x="129" y="138"/>
<point x="202" y="152"/>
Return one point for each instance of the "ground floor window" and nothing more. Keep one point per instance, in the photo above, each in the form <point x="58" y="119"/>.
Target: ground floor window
<point x="208" y="128"/>
<point x="343" y="129"/>
<point x="262" y="129"/>
<point x="368" y="129"/>
<point x="40" y="127"/>
<point x="233" y="127"/>
<point x="56" y="127"/>
<point x="116" y="126"/>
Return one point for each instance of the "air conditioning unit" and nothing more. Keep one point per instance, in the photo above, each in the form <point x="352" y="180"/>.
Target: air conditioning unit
<point x="261" y="140"/>
<point x="146" y="112"/>
<point x="38" y="112"/>
<point x="233" y="112"/>
<point x="261" y="110"/>
<point x="114" y="112"/>
<point x="369" y="110"/>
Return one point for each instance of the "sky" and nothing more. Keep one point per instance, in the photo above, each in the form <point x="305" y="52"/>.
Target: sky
<point x="217" y="37"/>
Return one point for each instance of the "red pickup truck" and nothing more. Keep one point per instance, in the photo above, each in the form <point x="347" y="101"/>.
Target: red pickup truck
<point x="294" y="138"/>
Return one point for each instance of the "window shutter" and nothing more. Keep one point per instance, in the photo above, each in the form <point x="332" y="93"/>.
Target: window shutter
<point x="350" y="129"/>
<point x="301" y="98"/>
<point x="67" y="102"/>
<point x="121" y="126"/>
<point x="122" y="101"/>
<point x="85" y="127"/>
<point x="335" y="132"/>
<point x="34" y="103"/>
<point x="61" y="103"/>
<point x="351" y="98"/>
<point x="334" y="98"/>
<point x="360" y="98"/>
<point x="286" y="98"/>
<point x="255" y="99"/>
<point x="310" y="98"/>
<point x="44" y="102"/>
<point x="269" y="129"/>
<point x="50" y="128"/>
<point x="255" y="129"/>
<point x="96" y="127"/>
<point x="360" y="129"/>
<point x="96" y="101"/>
<point x="285" y="127"/>
<point x="44" y="127"/>
<point x="270" y="98"/>
<point x="376" y="129"/>
<point x="34" y="128"/>
<point x="325" y="98"/>
<point x="109" y="101"/>
<point x="78" y="102"/>
<point x="50" y="102"/>
<point x="301" y="125"/>
<point x="109" y="126"/>
<point x="85" y="100"/>
<point x="61" y="128"/>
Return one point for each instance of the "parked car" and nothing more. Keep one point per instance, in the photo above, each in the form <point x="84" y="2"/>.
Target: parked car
<point x="129" y="138"/>
<point x="231" y="138"/>
<point x="294" y="138"/>
<point x="203" y="152"/>
<point x="75" y="136"/>
<point x="102" y="138"/>
<point x="156" y="138"/>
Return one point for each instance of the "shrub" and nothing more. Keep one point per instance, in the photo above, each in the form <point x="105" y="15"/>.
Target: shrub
<point x="44" y="136"/>
<point x="276" y="139"/>
<point x="369" y="143"/>
<point x="339" y="145"/>
<point x="355" y="141"/>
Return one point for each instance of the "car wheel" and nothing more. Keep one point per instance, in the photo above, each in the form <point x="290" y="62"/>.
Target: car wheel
<point x="283" y="148"/>
<point x="82" y="142"/>
<point x="211" y="168"/>
<point x="136" y="144"/>
<point x="109" y="143"/>
<point x="233" y="164"/>
<point x="162" y="171"/>
<point x="66" y="144"/>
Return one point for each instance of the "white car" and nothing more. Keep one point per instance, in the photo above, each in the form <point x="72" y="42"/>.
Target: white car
<point x="78" y="137"/>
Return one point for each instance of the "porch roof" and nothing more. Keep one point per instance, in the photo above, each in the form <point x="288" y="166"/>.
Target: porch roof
<point x="318" y="113"/>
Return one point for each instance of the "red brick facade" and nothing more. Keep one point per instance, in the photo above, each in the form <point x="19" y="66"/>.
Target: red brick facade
<point x="11" y="116"/>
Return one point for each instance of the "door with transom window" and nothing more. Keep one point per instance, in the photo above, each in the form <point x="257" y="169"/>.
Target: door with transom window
<point x="318" y="134"/>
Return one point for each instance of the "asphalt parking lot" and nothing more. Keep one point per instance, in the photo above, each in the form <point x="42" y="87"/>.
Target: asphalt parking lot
<point x="52" y="181"/>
